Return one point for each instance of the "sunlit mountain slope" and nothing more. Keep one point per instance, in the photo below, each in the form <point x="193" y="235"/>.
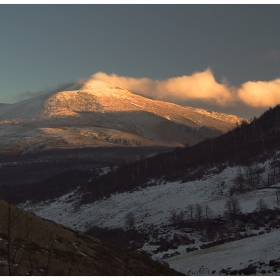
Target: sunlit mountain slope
<point x="99" y="114"/>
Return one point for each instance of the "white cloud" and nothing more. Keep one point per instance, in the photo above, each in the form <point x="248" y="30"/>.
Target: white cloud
<point x="260" y="93"/>
<point x="199" y="86"/>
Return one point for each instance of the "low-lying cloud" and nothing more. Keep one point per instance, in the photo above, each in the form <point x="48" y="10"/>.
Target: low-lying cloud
<point x="260" y="93"/>
<point x="57" y="88"/>
<point x="201" y="87"/>
<point x="197" y="90"/>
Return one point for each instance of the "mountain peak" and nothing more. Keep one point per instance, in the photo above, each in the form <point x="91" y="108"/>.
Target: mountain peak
<point x="125" y="118"/>
<point x="97" y="86"/>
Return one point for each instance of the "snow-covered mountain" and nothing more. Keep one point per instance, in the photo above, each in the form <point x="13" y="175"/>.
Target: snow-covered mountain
<point x="95" y="114"/>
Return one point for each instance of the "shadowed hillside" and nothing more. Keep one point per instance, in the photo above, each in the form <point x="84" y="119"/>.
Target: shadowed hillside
<point x="30" y="245"/>
<point x="240" y="146"/>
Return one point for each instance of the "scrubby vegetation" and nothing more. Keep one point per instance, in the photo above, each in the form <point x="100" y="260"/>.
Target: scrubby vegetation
<point x="30" y="245"/>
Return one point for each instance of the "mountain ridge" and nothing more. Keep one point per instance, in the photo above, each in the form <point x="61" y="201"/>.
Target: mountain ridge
<point x="99" y="107"/>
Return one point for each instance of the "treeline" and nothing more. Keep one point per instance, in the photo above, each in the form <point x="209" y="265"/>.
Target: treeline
<point x="196" y="221"/>
<point x="245" y="144"/>
<point x="48" y="189"/>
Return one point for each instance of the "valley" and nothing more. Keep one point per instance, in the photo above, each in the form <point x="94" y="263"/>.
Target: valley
<point x="139" y="140"/>
<point x="162" y="217"/>
<point x="159" y="184"/>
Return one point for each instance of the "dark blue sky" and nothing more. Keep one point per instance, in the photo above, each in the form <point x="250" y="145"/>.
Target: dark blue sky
<point x="45" y="45"/>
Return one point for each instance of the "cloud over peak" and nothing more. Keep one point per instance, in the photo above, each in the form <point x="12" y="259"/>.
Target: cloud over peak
<point x="260" y="93"/>
<point x="200" y="86"/>
<point x="197" y="90"/>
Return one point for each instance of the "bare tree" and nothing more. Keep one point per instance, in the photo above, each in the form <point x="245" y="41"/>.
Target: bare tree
<point x="30" y="254"/>
<point x="232" y="209"/>
<point x="50" y="247"/>
<point x="190" y="209"/>
<point x="12" y="218"/>
<point x="180" y="218"/>
<point x="199" y="216"/>
<point x="272" y="171"/>
<point x="130" y="220"/>
<point x="208" y="212"/>
<point x="173" y="216"/>
<point x="198" y="212"/>
<point x="261" y="207"/>
<point x="253" y="173"/>
<point x="177" y="218"/>
<point x="250" y="175"/>
<point x="239" y="180"/>
<point x="18" y="228"/>
<point x="277" y="195"/>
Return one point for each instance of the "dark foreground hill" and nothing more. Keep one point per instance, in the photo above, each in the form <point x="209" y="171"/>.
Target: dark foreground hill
<point x="30" y="245"/>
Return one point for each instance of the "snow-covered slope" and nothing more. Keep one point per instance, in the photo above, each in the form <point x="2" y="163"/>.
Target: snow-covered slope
<point x="234" y="255"/>
<point x="98" y="106"/>
<point x="152" y="207"/>
<point x="185" y="205"/>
